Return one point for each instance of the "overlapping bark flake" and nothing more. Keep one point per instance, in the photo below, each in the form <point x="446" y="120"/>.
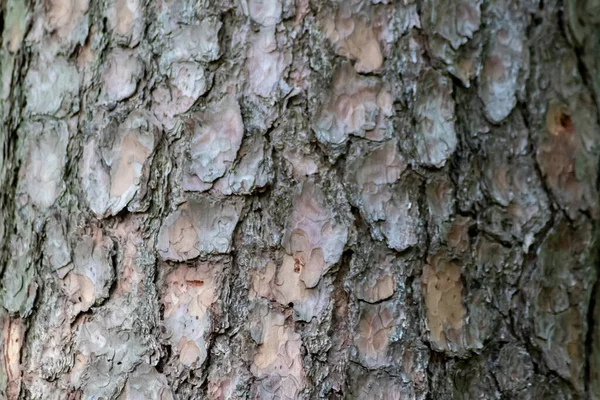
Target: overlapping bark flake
<point x="443" y="302"/>
<point x="514" y="368"/>
<point x="197" y="227"/>
<point x="356" y="106"/>
<point x="522" y="206"/>
<point x="504" y="61"/>
<point x="122" y="71"/>
<point x="368" y="385"/>
<point x="146" y="383"/>
<point x="19" y="286"/>
<point x="188" y="296"/>
<point x="559" y="295"/>
<point x="198" y="42"/>
<point x="264" y="12"/>
<point x="374" y="173"/>
<point x="375" y="326"/>
<point x="109" y="346"/>
<point x="127" y="154"/>
<point x="42" y="172"/>
<point x="565" y="154"/>
<point x="126" y="20"/>
<point x="440" y="199"/>
<point x="387" y="203"/>
<point x="52" y="88"/>
<point x="353" y="37"/>
<point x="435" y="138"/>
<point x="455" y="22"/>
<point x="285" y="286"/>
<point x="57" y="251"/>
<point x="65" y="16"/>
<point x="564" y="123"/>
<point x="88" y="280"/>
<point x="313" y="236"/>
<point x="379" y="281"/>
<point x="266" y="62"/>
<point x="190" y="79"/>
<point x="454" y="25"/>
<point x="277" y="363"/>
<point x="185" y="50"/>
<point x="253" y="172"/>
<point x="216" y="137"/>
<point x="187" y="82"/>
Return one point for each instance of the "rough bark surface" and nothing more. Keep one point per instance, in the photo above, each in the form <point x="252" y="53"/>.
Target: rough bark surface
<point x="299" y="199"/>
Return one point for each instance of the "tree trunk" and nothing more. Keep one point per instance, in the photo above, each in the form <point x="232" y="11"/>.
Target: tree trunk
<point x="299" y="199"/>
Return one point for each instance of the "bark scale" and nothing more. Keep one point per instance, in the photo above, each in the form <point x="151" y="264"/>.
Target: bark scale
<point x="284" y="199"/>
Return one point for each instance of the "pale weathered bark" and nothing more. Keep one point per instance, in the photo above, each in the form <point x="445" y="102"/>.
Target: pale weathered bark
<point x="281" y="199"/>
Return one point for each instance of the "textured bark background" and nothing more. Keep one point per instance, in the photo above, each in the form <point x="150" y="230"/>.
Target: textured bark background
<point x="283" y="199"/>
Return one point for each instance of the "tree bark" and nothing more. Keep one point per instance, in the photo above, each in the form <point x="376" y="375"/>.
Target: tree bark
<point x="299" y="199"/>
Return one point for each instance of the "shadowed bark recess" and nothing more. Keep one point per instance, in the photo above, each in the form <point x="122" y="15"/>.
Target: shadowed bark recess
<point x="299" y="199"/>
